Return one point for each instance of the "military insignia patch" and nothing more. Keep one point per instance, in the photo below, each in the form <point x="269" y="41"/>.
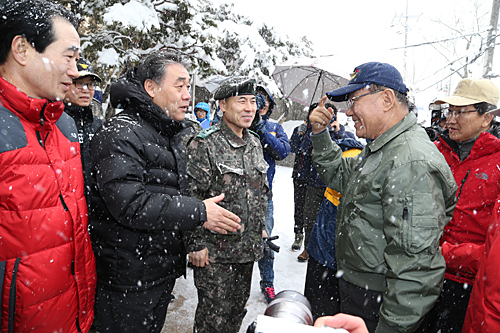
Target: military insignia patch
<point x="206" y="132"/>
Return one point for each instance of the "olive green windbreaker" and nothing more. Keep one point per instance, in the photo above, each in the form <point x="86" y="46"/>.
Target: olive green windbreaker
<point x="398" y="195"/>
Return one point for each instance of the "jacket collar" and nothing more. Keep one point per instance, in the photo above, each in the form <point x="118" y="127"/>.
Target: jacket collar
<point x="485" y="144"/>
<point x="33" y="109"/>
<point x="234" y="140"/>
<point x="403" y="125"/>
<point x="155" y="116"/>
<point x="79" y="112"/>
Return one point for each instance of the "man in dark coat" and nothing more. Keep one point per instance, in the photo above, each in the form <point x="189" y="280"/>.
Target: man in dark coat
<point x="140" y="167"/>
<point x="300" y="175"/>
<point x="77" y="105"/>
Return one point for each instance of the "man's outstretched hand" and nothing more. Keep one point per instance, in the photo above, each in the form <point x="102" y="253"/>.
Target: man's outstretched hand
<point x="219" y="219"/>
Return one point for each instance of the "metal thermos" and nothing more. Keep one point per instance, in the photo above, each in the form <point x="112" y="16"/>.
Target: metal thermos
<point x="291" y="305"/>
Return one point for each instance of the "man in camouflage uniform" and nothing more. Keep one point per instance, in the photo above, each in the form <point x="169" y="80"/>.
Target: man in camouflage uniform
<point x="227" y="158"/>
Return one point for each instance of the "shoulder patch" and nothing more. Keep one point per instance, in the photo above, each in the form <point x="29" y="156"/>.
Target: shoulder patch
<point x="67" y="126"/>
<point x="12" y="134"/>
<point x="206" y="132"/>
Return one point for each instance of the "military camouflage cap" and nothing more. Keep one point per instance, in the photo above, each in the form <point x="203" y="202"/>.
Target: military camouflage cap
<point x="235" y="86"/>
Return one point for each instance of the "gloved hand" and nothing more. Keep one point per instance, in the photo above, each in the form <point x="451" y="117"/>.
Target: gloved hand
<point x="258" y="125"/>
<point x="270" y="247"/>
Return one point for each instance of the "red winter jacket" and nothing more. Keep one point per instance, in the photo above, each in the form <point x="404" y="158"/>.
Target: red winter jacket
<point x="478" y="180"/>
<point x="47" y="267"/>
<point x="483" y="313"/>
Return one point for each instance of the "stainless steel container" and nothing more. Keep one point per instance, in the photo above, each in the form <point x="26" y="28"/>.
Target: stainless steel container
<point x="291" y="305"/>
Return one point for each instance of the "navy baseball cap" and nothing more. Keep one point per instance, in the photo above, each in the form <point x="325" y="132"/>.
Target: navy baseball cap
<point x="85" y="68"/>
<point x="372" y="72"/>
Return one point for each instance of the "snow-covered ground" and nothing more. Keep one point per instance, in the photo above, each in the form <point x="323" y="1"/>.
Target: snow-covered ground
<point x="289" y="273"/>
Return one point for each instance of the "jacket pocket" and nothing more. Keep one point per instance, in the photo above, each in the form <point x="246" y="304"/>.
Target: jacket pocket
<point x="420" y="224"/>
<point x="262" y="171"/>
<point x="366" y="243"/>
<point x="232" y="176"/>
<point x="261" y="167"/>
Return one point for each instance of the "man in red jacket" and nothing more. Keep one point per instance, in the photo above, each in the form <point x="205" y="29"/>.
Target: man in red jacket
<point x="474" y="158"/>
<point x="47" y="267"/>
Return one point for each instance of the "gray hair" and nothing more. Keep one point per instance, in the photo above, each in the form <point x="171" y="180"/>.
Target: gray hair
<point x="154" y="65"/>
<point x="402" y="98"/>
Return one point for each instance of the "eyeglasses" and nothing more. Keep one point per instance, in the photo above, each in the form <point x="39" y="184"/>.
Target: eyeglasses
<point x="449" y="113"/>
<point x="82" y="85"/>
<point x="350" y="101"/>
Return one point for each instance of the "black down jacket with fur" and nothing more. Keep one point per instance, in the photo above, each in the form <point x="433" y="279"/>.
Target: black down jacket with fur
<point x="139" y="162"/>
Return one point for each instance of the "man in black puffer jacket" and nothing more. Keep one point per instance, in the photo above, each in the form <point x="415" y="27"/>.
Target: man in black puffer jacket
<point x="139" y="158"/>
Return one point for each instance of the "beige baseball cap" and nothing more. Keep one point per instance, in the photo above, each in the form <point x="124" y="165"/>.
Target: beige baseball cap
<point x="472" y="91"/>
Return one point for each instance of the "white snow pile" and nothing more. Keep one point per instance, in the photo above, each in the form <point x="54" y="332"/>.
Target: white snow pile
<point x="140" y="15"/>
<point x="108" y="57"/>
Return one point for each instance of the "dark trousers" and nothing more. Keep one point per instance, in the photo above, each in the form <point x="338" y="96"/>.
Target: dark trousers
<point x="299" y="198"/>
<point x="314" y="198"/>
<point x="132" y="311"/>
<point x="448" y="314"/>
<point x="322" y="289"/>
<point x="223" y="290"/>
<point x="360" y="302"/>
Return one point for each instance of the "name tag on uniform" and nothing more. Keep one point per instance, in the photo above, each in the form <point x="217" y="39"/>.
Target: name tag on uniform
<point x="226" y="169"/>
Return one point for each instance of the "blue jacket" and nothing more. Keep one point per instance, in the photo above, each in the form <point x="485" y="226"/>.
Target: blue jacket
<point x="322" y="240"/>
<point x="204" y="122"/>
<point x="275" y="145"/>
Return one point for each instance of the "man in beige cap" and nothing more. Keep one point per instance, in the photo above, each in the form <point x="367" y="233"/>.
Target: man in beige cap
<point x="473" y="156"/>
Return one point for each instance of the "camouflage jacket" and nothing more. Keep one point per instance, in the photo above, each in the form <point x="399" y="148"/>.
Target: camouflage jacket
<point x="221" y="162"/>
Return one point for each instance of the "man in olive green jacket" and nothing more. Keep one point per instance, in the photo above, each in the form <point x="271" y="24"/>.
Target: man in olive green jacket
<point x="398" y="195"/>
